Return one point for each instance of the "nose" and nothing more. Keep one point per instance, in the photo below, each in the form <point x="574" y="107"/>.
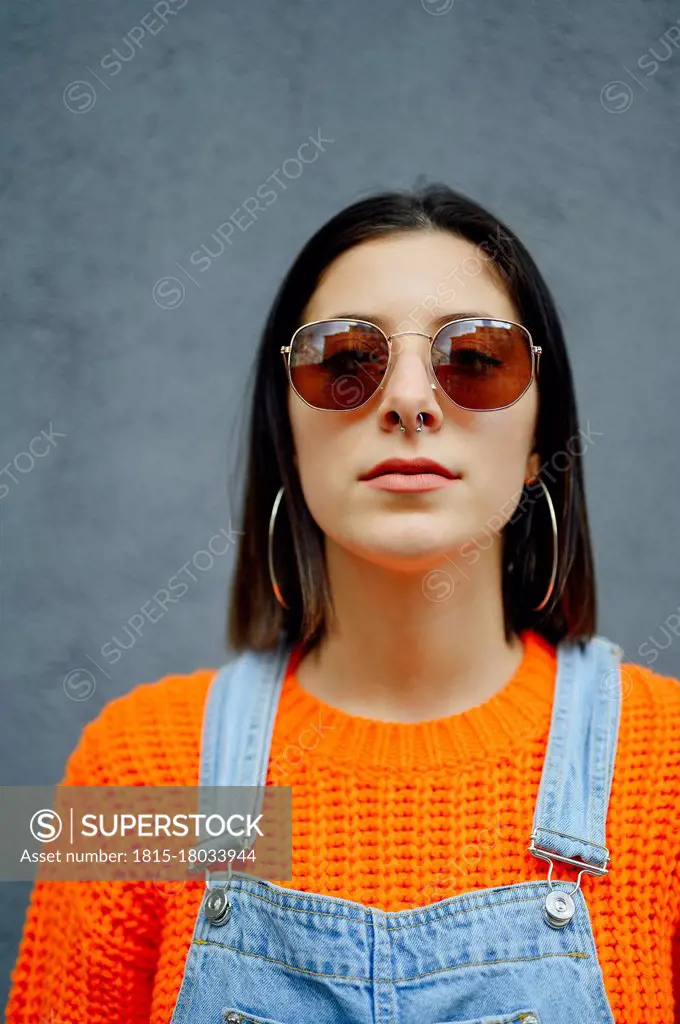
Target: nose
<point x="409" y="387"/>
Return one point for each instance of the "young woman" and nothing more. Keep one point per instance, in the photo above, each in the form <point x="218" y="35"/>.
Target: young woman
<point x="484" y="794"/>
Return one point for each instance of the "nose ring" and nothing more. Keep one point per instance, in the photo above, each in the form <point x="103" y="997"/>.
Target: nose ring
<point x="418" y="428"/>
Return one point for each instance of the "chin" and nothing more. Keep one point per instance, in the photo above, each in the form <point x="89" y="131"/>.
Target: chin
<point x="400" y="550"/>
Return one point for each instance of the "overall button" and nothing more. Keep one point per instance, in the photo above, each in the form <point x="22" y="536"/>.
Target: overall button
<point x="559" y="908"/>
<point x="232" y="1017"/>
<point x="531" y="1018"/>
<point x="217" y="908"/>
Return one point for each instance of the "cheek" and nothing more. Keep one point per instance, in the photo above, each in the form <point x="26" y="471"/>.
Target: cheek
<point x="323" y="463"/>
<point x="499" y="462"/>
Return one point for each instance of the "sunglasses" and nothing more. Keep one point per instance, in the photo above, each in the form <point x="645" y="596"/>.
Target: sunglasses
<point x="480" y="364"/>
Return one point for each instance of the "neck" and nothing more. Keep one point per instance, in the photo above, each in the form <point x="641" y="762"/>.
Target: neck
<point x="411" y="646"/>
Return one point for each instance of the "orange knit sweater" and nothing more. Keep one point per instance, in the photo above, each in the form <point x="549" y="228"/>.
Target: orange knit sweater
<point x="114" y="952"/>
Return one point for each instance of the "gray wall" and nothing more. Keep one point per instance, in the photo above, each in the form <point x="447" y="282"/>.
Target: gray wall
<point x="113" y="173"/>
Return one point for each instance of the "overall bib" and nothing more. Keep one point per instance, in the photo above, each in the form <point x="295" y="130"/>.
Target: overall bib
<point x="268" y="954"/>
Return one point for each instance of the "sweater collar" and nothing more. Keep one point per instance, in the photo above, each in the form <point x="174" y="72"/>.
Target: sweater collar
<point x="520" y="709"/>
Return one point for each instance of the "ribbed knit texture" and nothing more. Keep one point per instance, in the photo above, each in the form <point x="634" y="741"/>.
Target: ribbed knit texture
<point x="393" y="815"/>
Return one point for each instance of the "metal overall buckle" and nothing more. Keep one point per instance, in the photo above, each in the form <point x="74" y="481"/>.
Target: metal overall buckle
<point x="217" y="907"/>
<point x="559" y="907"/>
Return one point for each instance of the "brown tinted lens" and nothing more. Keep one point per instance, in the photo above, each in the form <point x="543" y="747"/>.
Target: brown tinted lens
<point x="338" y="364"/>
<point x="482" y="364"/>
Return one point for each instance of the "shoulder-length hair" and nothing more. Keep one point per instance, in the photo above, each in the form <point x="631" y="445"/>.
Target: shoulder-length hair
<point x="256" y="620"/>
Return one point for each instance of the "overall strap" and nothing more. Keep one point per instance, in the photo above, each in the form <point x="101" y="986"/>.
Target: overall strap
<point x="239" y="715"/>
<point x="573" y="798"/>
<point x="238" y="724"/>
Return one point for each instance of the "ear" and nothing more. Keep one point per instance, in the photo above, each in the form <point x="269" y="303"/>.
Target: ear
<point x="532" y="466"/>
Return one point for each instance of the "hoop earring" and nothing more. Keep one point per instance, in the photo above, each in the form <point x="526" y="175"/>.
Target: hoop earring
<point x="553" y="523"/>
<point x="537" y="608"/>
<point x="270" y="549"/>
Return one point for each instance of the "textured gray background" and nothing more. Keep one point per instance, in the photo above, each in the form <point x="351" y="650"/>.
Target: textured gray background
<point x="99" y="202"/>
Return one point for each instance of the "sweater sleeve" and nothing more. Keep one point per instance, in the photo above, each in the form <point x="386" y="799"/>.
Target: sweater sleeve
<point x="672" y="803"/>
<point x="675" y="950"/>
<point x="88" y="949"/>
<point x="676" y="972"/>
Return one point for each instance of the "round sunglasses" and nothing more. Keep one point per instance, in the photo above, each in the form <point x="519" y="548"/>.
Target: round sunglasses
<point x="480" y="364"/>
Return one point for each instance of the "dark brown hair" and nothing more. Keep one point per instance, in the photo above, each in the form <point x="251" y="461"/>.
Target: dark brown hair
<point x="256" y="620"/>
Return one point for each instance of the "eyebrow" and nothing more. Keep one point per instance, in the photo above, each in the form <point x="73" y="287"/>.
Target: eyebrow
<point x="375" y="318"/>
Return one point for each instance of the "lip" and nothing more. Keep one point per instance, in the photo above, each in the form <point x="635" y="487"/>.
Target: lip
<point x="410" y="482"/>
<point x="409" y="467"/>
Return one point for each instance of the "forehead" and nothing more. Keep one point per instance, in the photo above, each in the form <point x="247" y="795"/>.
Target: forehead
<point x="419" y="275"/>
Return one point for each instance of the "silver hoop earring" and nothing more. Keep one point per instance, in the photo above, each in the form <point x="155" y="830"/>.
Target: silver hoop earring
<point x="418" y="429"/>
<point x="553" y="522"/>
<point x="270" y="549"/>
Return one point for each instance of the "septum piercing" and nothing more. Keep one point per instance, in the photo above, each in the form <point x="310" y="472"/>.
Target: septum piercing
<point x="418" y="429"/>
<point x="420" y="415"/>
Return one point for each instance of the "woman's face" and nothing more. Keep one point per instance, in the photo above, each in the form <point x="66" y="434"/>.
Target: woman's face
<point x="393" y="282"/>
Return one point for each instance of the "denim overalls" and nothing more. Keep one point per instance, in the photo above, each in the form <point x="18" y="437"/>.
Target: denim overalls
<point x="267" y="954"/>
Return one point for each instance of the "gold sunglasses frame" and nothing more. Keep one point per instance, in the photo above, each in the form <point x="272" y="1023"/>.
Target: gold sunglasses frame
<point x="535" y="352"/>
